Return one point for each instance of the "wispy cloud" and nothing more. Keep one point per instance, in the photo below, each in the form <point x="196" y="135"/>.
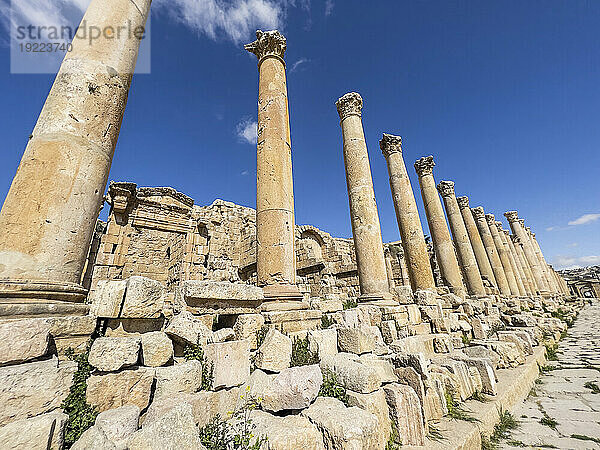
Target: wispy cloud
<point x="586" y="218"/>
<point x="298" y="63"/>
<point x="246" y="131"/>
<point x="329" y="4"/>
<point x="244" y="173"/>
<point x="574" y="262"/>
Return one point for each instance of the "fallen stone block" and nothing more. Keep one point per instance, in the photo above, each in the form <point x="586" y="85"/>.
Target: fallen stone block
<point x="406" y="413"/>
<point x="93" y="439"/>
<point x="275" y="353"/>
<point x="230" y="363"/>
<point x="134" y="298"/>
<point x="352" y="374"/>
<point x="119" y="423"/>
<point x="356" y="340"/>
<point x="109" y="354"/>
<point x="376" y="404"/>
<point x="286" y="433"/>
<point x="246" y="327"/>
<point x="40" y="432"/>
<point x="323" y="342"/>
<point x="293" y="389"/>
<point x="157" y="349"/>
<point x="181" y="378"/>
<point x="384" y="367"/>
<point x="223" y="335"/>
<point x="113" y="390"/>
<point x="186" y="329"/>
<point x="23" y="340"/>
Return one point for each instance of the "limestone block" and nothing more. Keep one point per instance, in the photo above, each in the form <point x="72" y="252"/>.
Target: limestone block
<point x="384" y="367"/>
<point x="230" y="362"/>
<point x="23" y="340"/>
<point x="113" y="390"/>
<point x="246" y="326"/>
<point x="119" y="423"/>
<point x="369" y="315"/>
<point x="462" y="374"/>
<point x="442" y="343"/>
<point x="181" y="378"/>
<point x="257" y="386"/>
<point x="352" y="374"/>
<point x="40" y="432"/>
<point x="479" y="351"/>
<point x="214" y="291"/>
<point x="186" y="329"/>
<point x="476" y="378"/>
<point x="376" y="404"/>
<point x="486" y="372"/>
<point x="286" y="433"/>
<point x="294" y="388"/>
<point x="509" y="336"/>
<point x="343" y="428"/>
<point x="414" y="314"/>
<point x="347" y="318"/>
<point x="143" y="299"/>
<point x="93" y="439"/>
<point x="223" y="335"/>
<point x="478" y="329"/>
<point x="106" y="300"/>
<point x="356" y="340"/>
<point x="109" y="354"/>
<point x="275" y="353"/>
<point x="510" y="354"/>
<point x="414" y="344"/>
<point x="415" y="360"/>
<point x="323" y="342"/>
<point x="157" y="349"/>
<point x="21" y="392"/>
<point x="174" y="430"/>
<point x="435" y="406"/>
<point x="410" y="377"/>
<point x="405" y="411"/>
<point x="326" y="306"/>
<point x="389" y="331"/>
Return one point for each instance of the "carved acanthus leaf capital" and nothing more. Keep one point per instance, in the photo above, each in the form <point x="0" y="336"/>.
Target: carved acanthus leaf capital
<point x="478" y="212"/>
<point x="349" y="104"/>
<point x="424" y="166"/>
<point x="463" y="202"/>
<point x="268" y="43"/>
<point x="511" y="216"/>
<point x="499" y="226"/>
<point x="446" y="188"/>
<point x="491" y="220"/>
<point x="390" y="144"/>
<point x="522" y="222"/>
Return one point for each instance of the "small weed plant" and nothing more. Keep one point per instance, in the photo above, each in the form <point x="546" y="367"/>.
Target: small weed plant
<point x="195" y="352"/>
<point x="301" y="354"/>
<point x="331" y="387"/>
<point x="457" y="412"/>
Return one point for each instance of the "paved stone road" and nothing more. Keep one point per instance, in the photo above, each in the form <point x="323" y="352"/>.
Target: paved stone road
<point x="561" y="395"/>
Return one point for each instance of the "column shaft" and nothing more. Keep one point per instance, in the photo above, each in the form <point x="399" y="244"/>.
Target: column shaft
<point x="511" y="260"/>
<point x="440" y="235"/>
<point x="544" y="264"/>
<point x="510" y="276"/>
<point x="366" y="229"/>
<point x="523" y="274"/>
<point x="528" y="273"/>
<point x="407" y="215"/>
<point x="464" y="250"/>
<point x="50" y="211"/>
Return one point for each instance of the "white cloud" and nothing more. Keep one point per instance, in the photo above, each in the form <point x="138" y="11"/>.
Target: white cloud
<point x="244" y="173"/>
<point x="246" y="131"/>
<point x="299" y="63"/>
<point x="586" y="218"/>
<point x="574" y="262"/>
<point x="329" y="4"/>
<point x="236" y="20"/>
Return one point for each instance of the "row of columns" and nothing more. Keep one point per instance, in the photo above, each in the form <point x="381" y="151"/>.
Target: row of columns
<point x="50" y="211"/>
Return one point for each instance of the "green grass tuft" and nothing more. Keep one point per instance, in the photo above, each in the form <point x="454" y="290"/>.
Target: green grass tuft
<point x="457" y="412"/>
<point x="583" y="437"/>
<point x="593" y="386"/>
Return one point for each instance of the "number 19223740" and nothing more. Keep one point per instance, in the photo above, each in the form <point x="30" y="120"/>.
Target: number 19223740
<point x="45" y="47"/>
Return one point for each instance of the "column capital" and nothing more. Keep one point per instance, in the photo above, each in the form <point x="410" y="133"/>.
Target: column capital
<point x="491" y="220"/>
<point x="390" y="144"/>
<point x="424" y="166"/>
<point x="522" y="222"/>
<point x="446" y="188"/>
<point x="478" y="212"/>
<point x="511" y="216"/>
<point x="268" y="43"/>
<point x="349" y="104"/>
<point x="499" y="226"/>
<point x="463" y="202"/>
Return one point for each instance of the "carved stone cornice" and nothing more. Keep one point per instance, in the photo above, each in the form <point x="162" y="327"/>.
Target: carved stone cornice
<point x="120" y="195"/>
<point x="511" y="216"/>
<point x="446" y="188"/>
<point x="390" y="144"/>
<point x="491" y="220"/>
<point x="478" y="212"/>
<point x="268" y="44"/>
<point x="424" y="166"/>
<point x="350" y="104"/>
<point x="463" y="202"/>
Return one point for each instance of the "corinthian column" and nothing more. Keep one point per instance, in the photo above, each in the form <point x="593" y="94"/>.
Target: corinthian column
<point x="442" y="243"/>
<point x="519" y="265"/>
<point x="464" y="250"/>
<point x="50" y="212"/>
<point x="545" y="266"/>
<point x="483" y="262"/>
<point x="370" y="261"/>
<point x="491" y="250"/>
<point x="275" y="225"/>
<point x="511" y="260"/>
<point x="534" y="264"/>
<point x="407" y="215"/>
<point x="528" y="273"/>
<point x="510" y="276"/>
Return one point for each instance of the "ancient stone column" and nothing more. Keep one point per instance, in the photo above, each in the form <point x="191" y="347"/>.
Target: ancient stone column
<point x="490" y="248"/>
<point x="275" y="224"/>
<point x="389" y="270"/>
<point x="366" y="229"/>
<point x="466" y="257"/>
<point x="528" y="273"/>
<point x="49" y="214"/>
<point x="508" y="271"/>
<point x="543" y="263"/>
<point x="440" y="235"/>
<point x="517" y="260"/>
<point x="534" y="264"/>
<point x="483" y="262"/>
<point x="511" y="259"/>
<point x="407" y="215"/>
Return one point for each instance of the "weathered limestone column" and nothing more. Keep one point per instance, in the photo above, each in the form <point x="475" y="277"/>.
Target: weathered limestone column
<point x="483" y="262"/>
<point x="543" y="263"/>
<point x="440" y="235"/>
<point x="491" y="250"/>
<point x="528" y="273"/>
<point x="389" y="270"/>
<point x="510" y="276"/>
<point x="520" y="269"/>
<point x="534" y="264"/>
<point x="275" y="224"/>
<point x="50" y="212"/>
<point x="466" y="257"/>
<point x="407" y="216"/>
<point x="511" y="259"/>
<point x="366" y="229"/>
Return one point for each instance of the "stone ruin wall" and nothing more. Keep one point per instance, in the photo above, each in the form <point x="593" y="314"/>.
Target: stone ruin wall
<point x="160" y="234"/>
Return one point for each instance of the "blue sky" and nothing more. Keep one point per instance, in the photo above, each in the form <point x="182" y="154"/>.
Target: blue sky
<point x="504" y="94"/>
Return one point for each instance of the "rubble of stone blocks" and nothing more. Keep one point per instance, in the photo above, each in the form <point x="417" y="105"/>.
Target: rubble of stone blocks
<point x="398" y="365"/>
